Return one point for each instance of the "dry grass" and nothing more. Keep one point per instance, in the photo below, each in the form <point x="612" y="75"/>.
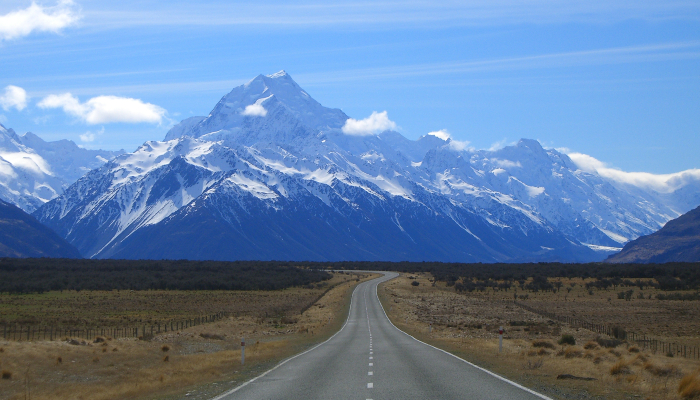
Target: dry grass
<point x="467" y="324"/>
<point x="689" y="387"/>
<point x="620" y="367"/>
<point x="132" y="368"/>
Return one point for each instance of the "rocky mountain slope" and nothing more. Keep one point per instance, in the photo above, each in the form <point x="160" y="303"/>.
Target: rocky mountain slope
<point x="33" y="171"/>
<point x="270" y="174"/>
<point x="21" y="235"/>
<point x="678" y="240"/>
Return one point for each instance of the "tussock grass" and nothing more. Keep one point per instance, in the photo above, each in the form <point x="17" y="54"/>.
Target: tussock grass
<point x="591" y="345"/>
<point x="165" y="348"/>
<point x="661" y="371"/>
<point x="689" y="386"/>
<point x="621" y="367"/>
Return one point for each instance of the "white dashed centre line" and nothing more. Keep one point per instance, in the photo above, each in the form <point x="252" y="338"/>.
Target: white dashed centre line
<point x="370" y="373"/>
<point x="370" y="385"/>
<point x="371" y="364"/>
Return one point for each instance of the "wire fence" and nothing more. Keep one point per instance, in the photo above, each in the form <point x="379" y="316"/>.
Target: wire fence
<point x="33" y="333"/>
<point x="654" y="345"/>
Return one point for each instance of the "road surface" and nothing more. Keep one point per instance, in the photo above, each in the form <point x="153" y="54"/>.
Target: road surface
<point x="369" y="358"/>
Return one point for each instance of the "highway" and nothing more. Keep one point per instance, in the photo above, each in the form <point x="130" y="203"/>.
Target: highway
<point x="369" y="358"/>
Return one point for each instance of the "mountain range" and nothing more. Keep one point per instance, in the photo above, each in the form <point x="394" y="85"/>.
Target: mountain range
<point x="272" y="174"/>
<point x="33" y="171"/>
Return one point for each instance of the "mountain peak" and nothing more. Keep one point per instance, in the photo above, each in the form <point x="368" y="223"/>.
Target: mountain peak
<point x="280" y="74"/>
<point x="245" y="108"/>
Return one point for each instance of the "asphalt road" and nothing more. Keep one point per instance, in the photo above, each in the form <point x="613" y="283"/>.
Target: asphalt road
<point x="369" y="358"/>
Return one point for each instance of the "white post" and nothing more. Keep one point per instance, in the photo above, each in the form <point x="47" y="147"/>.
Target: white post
<point x="242" y="351"/>
<point x="500" y="339"/>
<point x="430" y="328"/>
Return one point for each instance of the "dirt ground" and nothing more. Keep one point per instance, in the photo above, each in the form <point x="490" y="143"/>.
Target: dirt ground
<point x="196" y="362"/>
<point x="467" y="325"/>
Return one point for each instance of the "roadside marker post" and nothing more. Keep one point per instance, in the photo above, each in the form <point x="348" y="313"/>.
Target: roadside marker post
<point x="430" y="328"/>
<point x="242" y="351"/>
<point x="500" y="339"/>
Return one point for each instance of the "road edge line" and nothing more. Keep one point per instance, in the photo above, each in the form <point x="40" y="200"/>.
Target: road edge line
<point x="237" y="388"/>
<point x="519" y="386"/>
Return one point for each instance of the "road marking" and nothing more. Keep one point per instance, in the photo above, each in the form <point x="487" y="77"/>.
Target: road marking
<point x="352" y="299"/>
<point x="450" y="354"/>
<point x="371" y="352"/>
<point x="370" y="373"/>
<point x="370" y="385"/>
<point x="371" y="358"/>
<point x="371" y="364"/>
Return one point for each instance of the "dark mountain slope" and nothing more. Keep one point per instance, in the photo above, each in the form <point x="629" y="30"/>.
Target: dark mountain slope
<point x="678" y="240"/>
<point x="21" y="235"/>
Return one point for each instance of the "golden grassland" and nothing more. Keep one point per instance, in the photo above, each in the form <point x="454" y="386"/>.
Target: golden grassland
<point x="204" y="359"/>
<point x="467" y="325"/>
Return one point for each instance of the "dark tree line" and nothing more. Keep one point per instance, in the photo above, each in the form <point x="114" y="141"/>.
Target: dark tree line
<point x="668" y="276"/>
<point x="32" y="275"/>
<point x="44" y="274"/>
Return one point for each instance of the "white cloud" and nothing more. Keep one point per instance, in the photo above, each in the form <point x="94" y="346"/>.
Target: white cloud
<point x="372" y="125"/>
<point x="498" y="145"/>
<point x="38" y="18"/>
<point x="14" y="96"/>
<point x="255" y="110"/>
<point x="88" y="136"/>
<point x="442" y="134"/>
<point x="456" y="145"/>
<point x="506" y="163"/>
<point x="664" y="183"/>
<point x="106" y="109"/>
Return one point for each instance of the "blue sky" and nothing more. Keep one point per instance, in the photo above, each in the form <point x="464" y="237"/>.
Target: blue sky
<point x="616" y="80"/>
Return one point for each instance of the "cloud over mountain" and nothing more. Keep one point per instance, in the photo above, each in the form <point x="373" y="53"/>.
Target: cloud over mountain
<point x="106" y="109"/>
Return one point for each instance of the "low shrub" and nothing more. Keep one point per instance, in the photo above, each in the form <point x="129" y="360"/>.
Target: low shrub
<point x="211" y="336"/>
<point x="633" y="349"/>
<point x="543" y="343"/>
<point x="608" y="343"/>
<point x="567" y="339"/>
<point x="165" y="348"/>
<point x="415" y="283"/>
<point x="6" y="374"/>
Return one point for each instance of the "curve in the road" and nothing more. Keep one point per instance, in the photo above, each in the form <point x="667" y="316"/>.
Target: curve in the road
<point x="370" y="358"/>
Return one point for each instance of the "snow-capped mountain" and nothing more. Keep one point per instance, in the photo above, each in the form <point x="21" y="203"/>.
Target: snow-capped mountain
<point x="33" y="171"/>
<point x="270" y="174"/>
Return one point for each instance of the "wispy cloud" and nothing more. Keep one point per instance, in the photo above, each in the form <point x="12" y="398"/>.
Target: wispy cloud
<point x="664" y="183"/>
<point x="372" y="125"/>
<point x="615" y="55"/>
<point x="38" y="18"/>
<point x="453" y="144"/>
<point x="385" y="13"/>
<point x="14" y="96"/>
<point x="106" y="109"/>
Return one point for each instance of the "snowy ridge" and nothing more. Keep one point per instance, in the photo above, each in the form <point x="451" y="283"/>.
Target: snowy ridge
<point x="33" y="171"/>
